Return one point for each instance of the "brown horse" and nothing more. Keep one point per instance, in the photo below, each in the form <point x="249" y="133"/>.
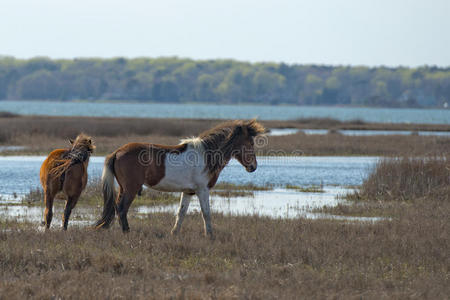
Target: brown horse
<point x="66" y="170"/>
<point x="192" y="167"/>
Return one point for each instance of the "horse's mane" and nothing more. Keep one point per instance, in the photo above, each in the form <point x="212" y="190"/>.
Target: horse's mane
<point x="220" y="141"/>
<point x="81" y="150"/>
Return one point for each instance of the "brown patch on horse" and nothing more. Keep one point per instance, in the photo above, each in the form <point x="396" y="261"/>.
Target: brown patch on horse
<point x="140" y="163"/>
<point x="213" y="179"/>
<point x="177" y="149"/>
<point x="133" y="165"/>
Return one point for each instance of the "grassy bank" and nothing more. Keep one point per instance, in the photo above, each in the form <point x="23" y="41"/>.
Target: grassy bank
<point x="252" y="257"/>
<point x="408" y="179"/>
<point x="42" y="134"/>
<point x="396" y="184"/>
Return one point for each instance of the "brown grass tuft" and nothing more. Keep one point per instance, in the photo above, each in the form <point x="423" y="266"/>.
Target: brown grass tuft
<point x="408" y="178"/>
<point x="7" y="114"/>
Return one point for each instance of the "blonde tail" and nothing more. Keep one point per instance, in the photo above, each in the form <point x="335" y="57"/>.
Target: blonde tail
<point x="109" y="193"/>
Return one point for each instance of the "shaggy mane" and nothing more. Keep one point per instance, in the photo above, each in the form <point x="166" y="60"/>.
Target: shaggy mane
<point x="80" y="151"/>
<point x="219" y="142"/>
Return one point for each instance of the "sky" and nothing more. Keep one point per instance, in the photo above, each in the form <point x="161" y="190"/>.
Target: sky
<point x="332" y="32"/>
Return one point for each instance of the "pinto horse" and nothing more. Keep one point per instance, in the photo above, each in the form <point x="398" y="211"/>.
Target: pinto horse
<point x="66" y="170"/>
<point x="191" y="167"/>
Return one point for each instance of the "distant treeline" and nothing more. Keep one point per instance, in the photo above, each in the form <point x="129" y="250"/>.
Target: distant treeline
<point x="221" y="81"/>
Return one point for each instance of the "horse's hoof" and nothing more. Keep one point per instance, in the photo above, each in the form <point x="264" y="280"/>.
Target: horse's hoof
<point x="174" y="232"/>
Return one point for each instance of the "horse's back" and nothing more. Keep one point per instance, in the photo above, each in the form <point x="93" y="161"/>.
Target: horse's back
<point x="132" y="163"/>
<point x="48" y="164"/>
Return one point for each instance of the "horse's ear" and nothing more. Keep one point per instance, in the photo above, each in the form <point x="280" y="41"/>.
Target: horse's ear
<point x="71" y="141"/>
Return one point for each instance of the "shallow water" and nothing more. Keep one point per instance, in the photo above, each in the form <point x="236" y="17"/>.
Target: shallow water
<point x="211" y="111"/>
<point x="282" y="131"/>
<point x="374" y="132"/>
<point x="19" y="174"/>
<point x="277" y="203"/>
<point x="81" y="216"/>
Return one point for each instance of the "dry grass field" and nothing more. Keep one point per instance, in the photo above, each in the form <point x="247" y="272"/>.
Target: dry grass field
<point x="42" y="134"/>
<point x="252" y="257"/>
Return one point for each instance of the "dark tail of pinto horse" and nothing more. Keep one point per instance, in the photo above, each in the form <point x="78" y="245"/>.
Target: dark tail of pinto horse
<point x="109" y="193"/>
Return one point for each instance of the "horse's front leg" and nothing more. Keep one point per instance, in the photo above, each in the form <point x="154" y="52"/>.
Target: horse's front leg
<point x="184" y="205"/>
<point x="203" y="197"/>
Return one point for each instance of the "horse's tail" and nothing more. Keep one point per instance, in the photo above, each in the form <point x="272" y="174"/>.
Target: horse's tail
<point x="109" y="193"/>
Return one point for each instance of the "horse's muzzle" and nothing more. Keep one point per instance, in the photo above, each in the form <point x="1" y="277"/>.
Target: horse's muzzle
<point x="251" y="169"/>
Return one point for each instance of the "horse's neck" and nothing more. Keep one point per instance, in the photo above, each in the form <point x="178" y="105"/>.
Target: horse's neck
<point x="223" y="164"/>
<point x="78" y="155"/>
<point x="225" y="157"/>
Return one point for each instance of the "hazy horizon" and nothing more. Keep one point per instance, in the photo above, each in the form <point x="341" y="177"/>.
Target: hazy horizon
<point x="401" y="33"/>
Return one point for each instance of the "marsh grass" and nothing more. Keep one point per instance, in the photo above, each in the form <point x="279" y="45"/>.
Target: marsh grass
<point x="407" y="179"/>
<point x="242" y="187"/>
<point x="308" y="189"/>
<point x="41" y="134"/>
<point x="364" y="209"/>
<point x="394" y="185"/>
<point x="232" y="193"/>
<point x="7" y="114"/>
<point x="92" y="195"/>
<point x="337" y="144"/>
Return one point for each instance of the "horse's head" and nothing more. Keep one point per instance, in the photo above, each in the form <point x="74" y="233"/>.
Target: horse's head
<point x="244" y="144"/>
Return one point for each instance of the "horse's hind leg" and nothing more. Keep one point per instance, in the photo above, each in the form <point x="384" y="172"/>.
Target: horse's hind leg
<point x="48" y="213"/>
<point x="184" y="205"/>
<point x="124" y="201"/>
<point x="70" y="204"/>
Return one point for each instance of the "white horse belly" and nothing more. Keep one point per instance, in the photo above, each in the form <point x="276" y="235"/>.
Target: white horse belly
<point x="184" y="172"/>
